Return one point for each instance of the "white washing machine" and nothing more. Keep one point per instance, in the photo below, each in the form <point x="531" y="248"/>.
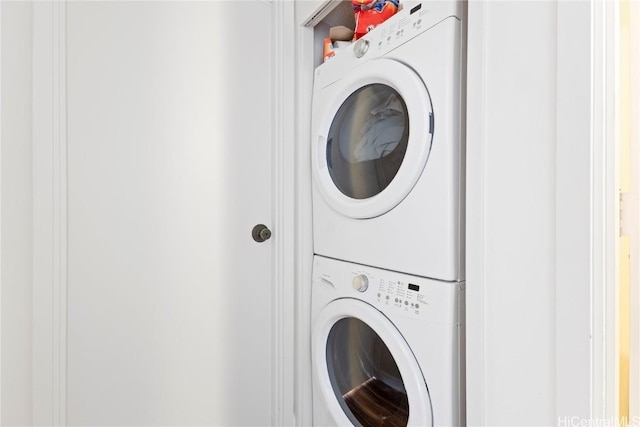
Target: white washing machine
<point x="387" y="348"/>
<point x="387" y="146"/>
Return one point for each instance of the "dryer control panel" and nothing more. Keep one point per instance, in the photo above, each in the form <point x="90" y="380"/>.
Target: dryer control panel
<point x="408" y="24"/>
<point x="386" y="37"/>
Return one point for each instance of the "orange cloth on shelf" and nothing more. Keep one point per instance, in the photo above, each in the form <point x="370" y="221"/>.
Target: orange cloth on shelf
<point x="371" y="13"/>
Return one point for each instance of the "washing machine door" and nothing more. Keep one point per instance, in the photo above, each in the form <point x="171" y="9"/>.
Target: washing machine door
<point x="372" y="138"/>
<point x="367" y="374"/>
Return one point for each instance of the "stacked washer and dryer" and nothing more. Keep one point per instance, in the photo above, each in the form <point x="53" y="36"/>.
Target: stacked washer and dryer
<point x="387" y="318"/>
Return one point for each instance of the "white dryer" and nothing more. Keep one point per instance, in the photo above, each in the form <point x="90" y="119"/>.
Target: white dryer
<point x="387" y="348"/>
<point x="387" y="146"/>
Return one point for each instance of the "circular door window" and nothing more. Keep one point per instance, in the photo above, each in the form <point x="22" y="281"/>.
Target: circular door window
<point x="365" y="378"/>
<point x="367" y="141"/>
<point x="373" y="129"/>
<point x="367" y="374"/>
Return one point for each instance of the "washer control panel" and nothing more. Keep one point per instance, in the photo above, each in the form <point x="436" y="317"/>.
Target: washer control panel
<point x="401" y="294"/>
<point x="390" y="292"/>
<point x="393" y="293"/>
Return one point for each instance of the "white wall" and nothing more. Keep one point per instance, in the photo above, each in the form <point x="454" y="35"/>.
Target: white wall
<point x="154" y="143"/>
<point x="16" y="212"/>
<point x="529" y="212"/>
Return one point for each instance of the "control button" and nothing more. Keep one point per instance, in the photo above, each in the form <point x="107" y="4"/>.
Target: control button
<point x="406" y="303"/>
<point x="360" y="282"/>
<point x="417" y="306"/>
<point x="361" y="47"/>
<point x="387" y="296"/>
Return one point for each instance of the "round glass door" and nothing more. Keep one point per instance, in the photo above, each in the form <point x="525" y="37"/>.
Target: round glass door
<point x="364" y="376"/>
<point x="367" y="141"/>
<point x="373" y="129"/>
<point x="366" y="373"/>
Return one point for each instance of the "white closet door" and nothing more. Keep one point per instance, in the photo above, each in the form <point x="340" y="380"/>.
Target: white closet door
<point x="168" y="168"/>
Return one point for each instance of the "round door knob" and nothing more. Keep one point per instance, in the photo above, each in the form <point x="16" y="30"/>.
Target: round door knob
<point x="360" y="282"/>
<point x="260" y="233"/>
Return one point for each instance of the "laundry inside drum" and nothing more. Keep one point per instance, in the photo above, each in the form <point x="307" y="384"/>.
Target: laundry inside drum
<point x="367" y="141"/>
<point x="365" y="376"/>
<point x="375" y="404"/>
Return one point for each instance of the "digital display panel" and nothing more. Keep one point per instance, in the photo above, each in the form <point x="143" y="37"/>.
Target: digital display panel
<point x="413" y="287"/>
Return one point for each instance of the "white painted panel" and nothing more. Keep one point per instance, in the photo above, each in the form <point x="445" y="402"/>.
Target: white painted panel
<point x="518" y="211"/>
<point x="305" y="60"/>
<point x="307" y="9"/>
<point x="16" y="205"/>
<point x="169" y="151"/>
<point x="573" y="218"/>
<point x="529" y="224"/>
<point x="43" y="160"/>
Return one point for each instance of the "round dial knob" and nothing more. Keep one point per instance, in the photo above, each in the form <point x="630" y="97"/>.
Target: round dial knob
<point x="361" y="47"/>
<point x="361" y="282"/>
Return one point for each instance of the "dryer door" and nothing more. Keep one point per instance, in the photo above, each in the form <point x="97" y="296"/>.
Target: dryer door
<point x="367" y="374"/>
<point x="373" y="137"/>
